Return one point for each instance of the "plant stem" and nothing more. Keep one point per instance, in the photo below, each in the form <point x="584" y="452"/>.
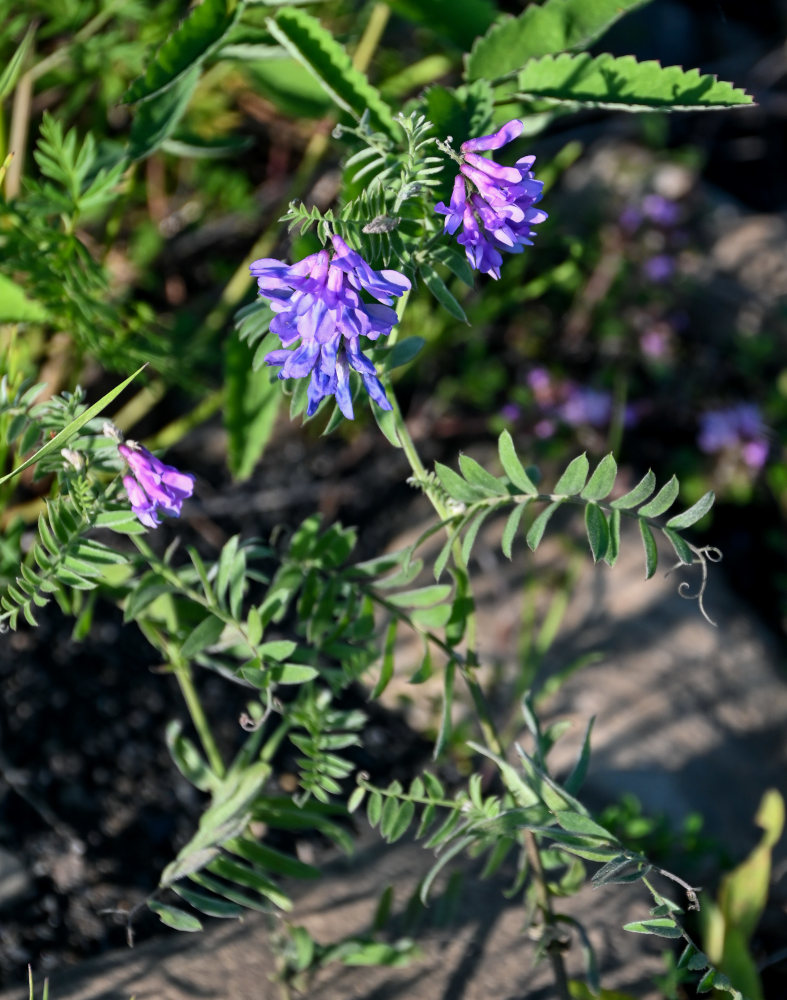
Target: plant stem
<point x="553" y="948"/>
<point x="484" y="715"/>
<point x="182" y="672"/>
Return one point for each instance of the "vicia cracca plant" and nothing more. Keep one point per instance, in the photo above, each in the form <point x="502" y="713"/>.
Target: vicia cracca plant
<point x="297" y="623"/>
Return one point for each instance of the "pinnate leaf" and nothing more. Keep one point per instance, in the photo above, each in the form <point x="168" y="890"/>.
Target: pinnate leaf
<point x="189" y="45"/>
<point x="625" y="84"/>
<point x="316" y="49"/>
<point x="554" y="26"/>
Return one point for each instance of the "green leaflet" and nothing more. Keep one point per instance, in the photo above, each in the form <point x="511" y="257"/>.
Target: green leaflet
<point x="555" y="26"/>
<point x="173" y="916"/>
<point x="441" y="292"/>
<point x="625" y="84"/>
<point x="251" y="405"/>
<point x="188" y="46"/>
<point x="315" y="48"/>
<point x="13" y="68"/>
<point x="156" y="120"/>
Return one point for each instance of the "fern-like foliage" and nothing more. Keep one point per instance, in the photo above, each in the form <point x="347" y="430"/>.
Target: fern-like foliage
<point x="391" y="182"/>
<point x="473" y="494"/>
<point x="62" y="560"/>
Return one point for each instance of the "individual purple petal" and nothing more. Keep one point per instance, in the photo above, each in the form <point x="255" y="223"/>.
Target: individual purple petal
<point x="497" y="171"/>
<point x="510" y="131"/>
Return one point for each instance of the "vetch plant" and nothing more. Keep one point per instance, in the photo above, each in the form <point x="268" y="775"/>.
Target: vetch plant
<point x="297" y="623"/>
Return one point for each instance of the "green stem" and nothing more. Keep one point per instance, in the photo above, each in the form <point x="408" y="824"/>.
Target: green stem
<point x="481" y="705"/>
<point x="182" y="672"/>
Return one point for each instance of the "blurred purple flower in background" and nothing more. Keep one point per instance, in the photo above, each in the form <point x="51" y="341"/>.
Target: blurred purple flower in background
<point x="317" y="301"/>
<point x="735" y="428"/>
<point x="659" y="268"/>
<point x="493" y="203"/>
<point x="153" y="487"/>
<point x="586" y="406"/>
<point x="660" y="210"/>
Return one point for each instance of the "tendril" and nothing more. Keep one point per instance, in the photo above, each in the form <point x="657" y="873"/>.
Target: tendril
<point x="702" y="556"/>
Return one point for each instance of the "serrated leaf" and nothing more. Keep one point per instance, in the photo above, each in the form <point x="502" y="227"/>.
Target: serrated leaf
<point x="597" y="531"/>
<point x="188" y="46"/>
<point x="204" y="635"/>
<point x="694" y="513"/>
<point x="638" y="495"/>
<point x="538" y="527"/>
<point x="662" y="501"/>
<point x="555" y="26"/>
<point x="441" y="292"/>
<point x="251" y="404"/>
<point x="624" y="84"/>
<point x="512" y="466"/>
<point x="662" y="926"/>
<point x="511" y="528"/>
<point x="315" y="48"/>
<point x="173" y="916"/>
<point x="603" y="479"/>
<point x="573" y="479"/>
<point x="651" y="552"/>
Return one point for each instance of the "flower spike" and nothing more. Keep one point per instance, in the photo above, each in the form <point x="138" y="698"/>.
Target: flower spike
<point x="317" y="301"/>
<point x="493" y="203"/>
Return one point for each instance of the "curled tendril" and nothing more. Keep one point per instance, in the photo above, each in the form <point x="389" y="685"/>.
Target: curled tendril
<point x="702" y="556"/>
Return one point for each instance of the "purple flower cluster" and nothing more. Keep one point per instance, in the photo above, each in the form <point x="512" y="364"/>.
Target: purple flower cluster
<point x="318" y="302"/>
<point x="572" y="404"/>
<point x="736" y="429"/>
<point x="493" y="203"/>
<point x="152" y="486"/>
